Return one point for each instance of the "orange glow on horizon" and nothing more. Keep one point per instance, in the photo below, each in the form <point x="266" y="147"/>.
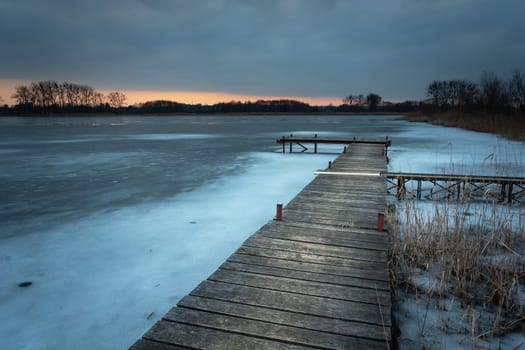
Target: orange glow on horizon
<point x="7" y="89"/>
<point x="209" y="98"/>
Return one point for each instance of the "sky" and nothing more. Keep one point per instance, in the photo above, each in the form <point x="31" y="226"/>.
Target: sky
<point x="314" y="50"/>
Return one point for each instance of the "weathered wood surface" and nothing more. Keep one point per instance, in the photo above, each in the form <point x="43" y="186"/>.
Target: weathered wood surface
<point x="318" y="279"/>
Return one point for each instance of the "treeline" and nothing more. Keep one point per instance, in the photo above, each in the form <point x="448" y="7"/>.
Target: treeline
<point x="268" y="106"/>
<point x="491" y="94"/>
<point x="52" y="97"/>
<point x="260" y="106"/>
<point x="45" y="97"/>
<point x="371" y="102"/>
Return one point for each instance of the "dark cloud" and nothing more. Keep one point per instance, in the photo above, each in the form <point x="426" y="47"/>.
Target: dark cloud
<point x="293" y="47"/>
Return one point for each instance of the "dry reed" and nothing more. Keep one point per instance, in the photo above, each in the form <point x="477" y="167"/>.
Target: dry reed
<point x="470" y="255"/>
<point x="510" y="125"/>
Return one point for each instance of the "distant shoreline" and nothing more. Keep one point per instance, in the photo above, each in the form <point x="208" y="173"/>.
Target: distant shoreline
<point x="508" y="125"/>
<point x="171" y="114"/>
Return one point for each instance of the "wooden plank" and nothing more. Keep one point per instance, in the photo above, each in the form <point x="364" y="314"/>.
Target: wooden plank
<point x="300" y="320"/>
<point x="327" y="209"/>
<point x="145" y="344"/>
<point x="380" y="277"/>
<point x="306" y="275"/>
<point x="206" y="338"/>
<point x="370" y="239"/>
<point x="354" y="232"/>
<point x="293" y="302"/>
<point x="318" y="249"/>
<point x="324" y="239"/>
<point x="358" y="197"/>
<point x="338" y="203"/>
<point x="271" y="330"/>
<point x="312" y="258"/>
<point x="356" y="215"/>
<point x="284" y="284"/>
<point x="358" y="222"/>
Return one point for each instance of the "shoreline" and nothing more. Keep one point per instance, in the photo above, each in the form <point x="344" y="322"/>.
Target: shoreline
<point x="180" y="114"/>
<point x="509" y="125"/>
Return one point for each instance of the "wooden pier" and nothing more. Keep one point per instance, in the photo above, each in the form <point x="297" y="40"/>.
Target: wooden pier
<point x="317" y="279"/>
<point x="458" y="187"/>
<point x="300" y="141"/>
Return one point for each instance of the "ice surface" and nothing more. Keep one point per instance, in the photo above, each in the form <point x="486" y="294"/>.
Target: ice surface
<point x="103" y="280"/>
<point x="436" y="149"/>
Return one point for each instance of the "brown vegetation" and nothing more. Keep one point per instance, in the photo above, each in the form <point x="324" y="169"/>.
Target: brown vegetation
<point x="510" y="124"/>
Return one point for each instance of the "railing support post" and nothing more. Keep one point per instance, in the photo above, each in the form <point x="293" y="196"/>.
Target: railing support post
<point x="279" y="212"/>
<point x="380" y="222"/>
<point x="509" y="194"/>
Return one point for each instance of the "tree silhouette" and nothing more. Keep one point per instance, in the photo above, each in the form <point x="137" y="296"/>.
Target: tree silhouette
<point x="517" y="89"/>
<point x="116" y="99"/>
<point x="373" y="101"/>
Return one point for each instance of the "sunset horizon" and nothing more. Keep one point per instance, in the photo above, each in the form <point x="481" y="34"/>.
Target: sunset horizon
<point x="139" y="96"/>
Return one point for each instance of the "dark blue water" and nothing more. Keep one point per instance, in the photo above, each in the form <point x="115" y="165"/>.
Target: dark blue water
<point x="57" y="169"/>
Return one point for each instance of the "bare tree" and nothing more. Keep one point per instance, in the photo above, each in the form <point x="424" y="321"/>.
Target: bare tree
<point x="23" y="95"/>
<point x="349" y="100"/>
<point x="466" y="93"/>
<point x="493" y="92"/>
<point x="517" y="89"/>
<point x="439" y="92"/>
<point x="453" y="93"/>
<point x="116" y="99"/>
<point x="373" y="101"/>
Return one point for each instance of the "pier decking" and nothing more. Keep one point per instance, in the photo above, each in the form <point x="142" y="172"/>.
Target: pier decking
<point x="316" y="279"/>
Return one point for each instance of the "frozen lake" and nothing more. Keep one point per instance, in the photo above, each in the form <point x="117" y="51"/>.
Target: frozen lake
<point x="114" y="219"/>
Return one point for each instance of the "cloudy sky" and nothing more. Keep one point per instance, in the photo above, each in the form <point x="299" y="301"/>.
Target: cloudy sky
<point x="293" y="48"/>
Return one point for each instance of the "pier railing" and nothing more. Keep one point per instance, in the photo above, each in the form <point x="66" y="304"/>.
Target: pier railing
<point x="301" y="141"/>
<point x="502" y="189"/>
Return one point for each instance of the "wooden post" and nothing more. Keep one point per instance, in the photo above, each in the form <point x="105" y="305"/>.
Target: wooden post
<point x="284" y="145"/>
<point x="315" y="144"/>
<point x="380" y="222"/>
<point x="279" y="213"/>
<point x="401" y="191"/>
<point x="509" y="194"/>
<point x="503" y="192"/>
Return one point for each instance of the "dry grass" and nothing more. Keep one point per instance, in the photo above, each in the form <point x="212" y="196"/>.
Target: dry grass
<point x="510" y="125"/>
<point x="471" y="254"/>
